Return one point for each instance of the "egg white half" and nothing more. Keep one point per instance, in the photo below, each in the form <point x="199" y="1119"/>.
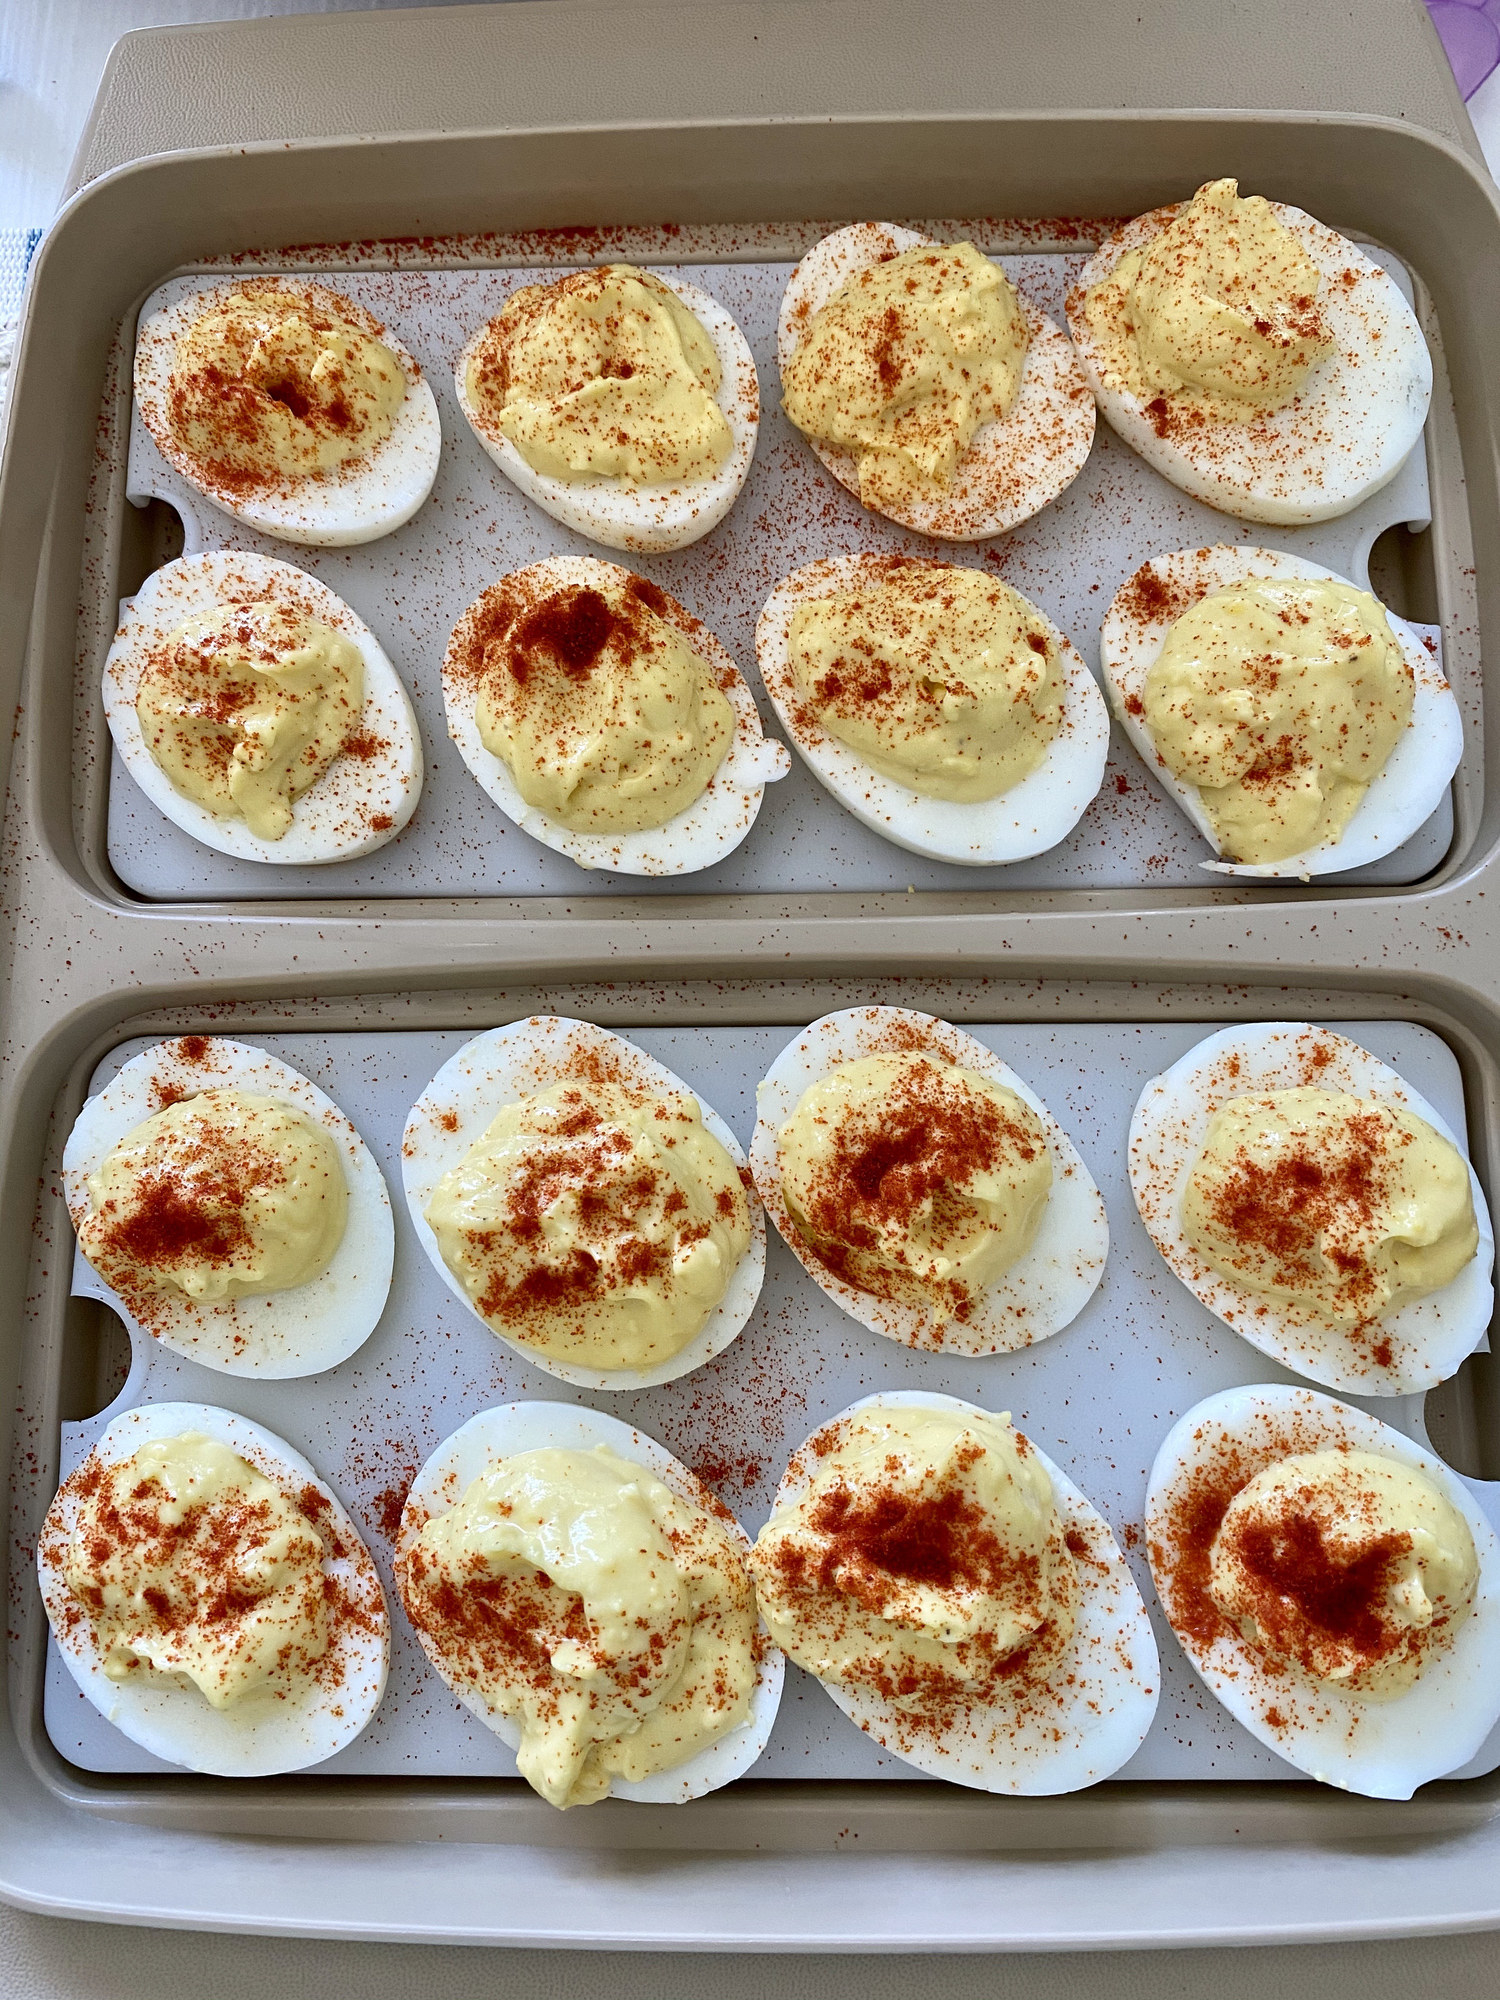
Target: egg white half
<point x="1381" y="1749"/>
<point x="1429" y="1337"/>
<point x="507" y="1064"/>
<point x="1406" y="792"/>
<point x="1057" y="1737"/>
<point x="1040" y="1294"/>
<point x="278" y="1335"/>
<point x="1342" y="437"/>
<point x="1013" y="467"/>
<point x="335" y="819"/>
<point x="648" y="519"/>
<point x="259" y="1736"/>
<point x="357" y="502"/>
<point x="703" y="832"/>
<point x="516" y="1427"/>
<point x="1028" y="819"/>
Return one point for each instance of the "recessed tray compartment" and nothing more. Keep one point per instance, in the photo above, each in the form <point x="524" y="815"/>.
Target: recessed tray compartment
<point x="1099" y="1397"/>
<point x="411" y="586"/>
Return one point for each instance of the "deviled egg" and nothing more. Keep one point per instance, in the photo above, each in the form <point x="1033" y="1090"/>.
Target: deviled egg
<point x="287" y="404"/>
<point x="937" y="704"/>
<point x="1253" y="356"/>
<point x="1301" y="726"/>
<point x="624" y="402"/>
<point x="1333" y="1583"/>
<point x="211" y="1597"/>
<point x="958" y="1597"/>
<point x="928" y="385"/>
<point x="1317" y="1204"/>
<point x="229" y="1209"/>
<point x="587" y="1597"/>
<point x="259" y="713"/>
<point x="606" y="720"/>
<point x="587" y="1206"/>
<point x="923" y="1186"/>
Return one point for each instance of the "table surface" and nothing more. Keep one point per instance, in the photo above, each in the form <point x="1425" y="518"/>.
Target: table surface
<point x="51" y="56"/>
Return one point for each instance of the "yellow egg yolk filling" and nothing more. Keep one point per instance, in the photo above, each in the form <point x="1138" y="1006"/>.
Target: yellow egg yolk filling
<point x="905" y="363"/>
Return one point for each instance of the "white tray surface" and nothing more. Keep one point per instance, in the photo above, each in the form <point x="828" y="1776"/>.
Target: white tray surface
<point x="411" y="586"/>
<point x="1098" y="1397"/>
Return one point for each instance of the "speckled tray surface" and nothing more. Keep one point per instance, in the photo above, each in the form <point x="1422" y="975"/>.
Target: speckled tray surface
<point x="411" y="586"/>
<point x="1098" y="1397"/>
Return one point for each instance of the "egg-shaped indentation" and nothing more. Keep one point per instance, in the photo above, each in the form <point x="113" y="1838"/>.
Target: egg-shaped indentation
<point x="1038" y="1295"/>
<point x="261" y="1734"/>
<point x="1029" y="818"/>
<point x="1402" y="1352"/>
<point x="645" y="519"/>
<point x="535" y="1426"/>
<point x="1401" y="797"/>
<point x="1343" y="435"/>
<point x="356" y="501"/>
<point x="1383" y="1747"/>
<point x="1012" y="468"/>
<point x="303" y="1330"/>
<point x="506" y="1065"/>
<point x="365" y="796"/>
<point x="1048" y="1736"/>
<point x="695" y="838"/>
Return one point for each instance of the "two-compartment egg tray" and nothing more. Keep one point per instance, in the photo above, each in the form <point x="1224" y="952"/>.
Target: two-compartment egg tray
<point x="1093" y="967"/>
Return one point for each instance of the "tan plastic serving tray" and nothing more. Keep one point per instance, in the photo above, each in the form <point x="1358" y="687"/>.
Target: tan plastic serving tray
<point x="496" y="129"/>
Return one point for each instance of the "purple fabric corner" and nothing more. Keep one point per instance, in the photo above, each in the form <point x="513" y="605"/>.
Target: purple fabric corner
<point x="1470" y="31"/>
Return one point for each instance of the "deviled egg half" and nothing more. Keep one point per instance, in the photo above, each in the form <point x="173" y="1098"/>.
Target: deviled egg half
<point x="923" y="1186"/>
<point x="259" y="713"/>
<point x="1301" y="726"/>
<point x="958" y="1597"/>
<point x="606" y="720"/>
<point x="211" y="1597"/>
<point x="587" y="1597"/>
<point x="1333" y="1583"/>
<point x="230" y="1210"/>
<point x="624" y="402"/>
<point x="928" y="385"/>
<point x="584" y="1204"/>
<point x="1319" y="1205"/>
<point x="1252" y="355"/>
<point x="287" y="404"/>
<point x="935" y="703"/>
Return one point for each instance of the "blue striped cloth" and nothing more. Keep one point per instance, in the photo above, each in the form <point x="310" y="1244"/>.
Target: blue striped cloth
<point x="17" y="248"/>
